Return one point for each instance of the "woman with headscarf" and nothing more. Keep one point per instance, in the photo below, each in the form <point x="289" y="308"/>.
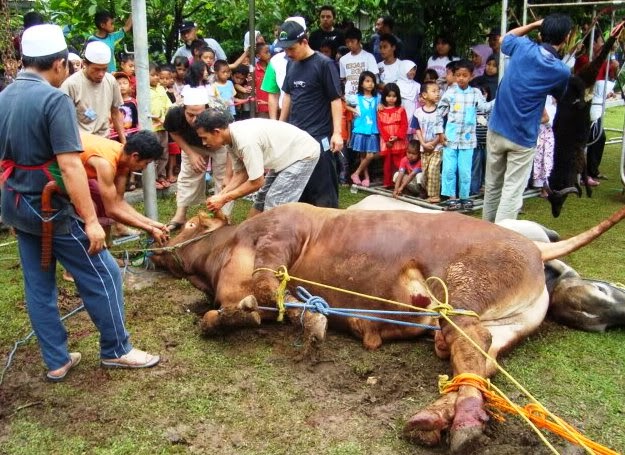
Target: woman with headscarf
<point x="408" y="87"/>
<point x="479" y="56"/>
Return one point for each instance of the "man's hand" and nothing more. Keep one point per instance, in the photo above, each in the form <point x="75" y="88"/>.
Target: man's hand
<point x="336" y="142"/>
<point x="198" y="162"/>
<point x="160" y="235"/>
<point x="96" y="236"/>
<point x="214" y="203"/>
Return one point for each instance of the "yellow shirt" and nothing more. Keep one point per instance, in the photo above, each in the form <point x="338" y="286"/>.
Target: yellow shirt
<point x="159" y="105"/>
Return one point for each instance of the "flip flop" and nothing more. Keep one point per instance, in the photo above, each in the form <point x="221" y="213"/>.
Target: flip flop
<point x="174" y="225"/>
<point x="134" y="359"/>
<point x="74" y="359"/>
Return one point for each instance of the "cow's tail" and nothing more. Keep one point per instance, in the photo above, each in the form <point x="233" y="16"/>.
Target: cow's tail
<point x="556" y="250"/>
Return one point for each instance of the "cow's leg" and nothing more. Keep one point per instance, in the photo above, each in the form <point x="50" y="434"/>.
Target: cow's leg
<point x="461" y="413"/>
<point x="238" y="305"/>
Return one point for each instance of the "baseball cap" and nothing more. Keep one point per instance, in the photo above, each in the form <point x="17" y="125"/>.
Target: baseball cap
<point x="494" y="31"/>
<point x="187" y="25"/>
<point x="291" y="31"/>
<point x="121" y="75"/>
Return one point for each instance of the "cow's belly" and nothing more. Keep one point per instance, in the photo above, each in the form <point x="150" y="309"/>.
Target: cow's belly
<point x="511" y="322"/>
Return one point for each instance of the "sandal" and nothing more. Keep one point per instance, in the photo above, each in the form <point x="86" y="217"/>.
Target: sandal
<point x="452" y="205"/>
<point x="159" y="185"/>
<point x="466" y="204"/>
<point x="434" y="200"/>
<point x="172" y="179"/>
<point x="134" y="359"/>
<point x="59" y="375"/>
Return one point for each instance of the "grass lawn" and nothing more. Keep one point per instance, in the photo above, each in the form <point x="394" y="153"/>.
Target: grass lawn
<point x="247" y="393"/>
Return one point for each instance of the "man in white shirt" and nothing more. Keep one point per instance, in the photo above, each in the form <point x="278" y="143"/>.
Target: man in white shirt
<point x="354" y="63"/>
<point x="389" y="66"/>
<point x="254" y="145"/>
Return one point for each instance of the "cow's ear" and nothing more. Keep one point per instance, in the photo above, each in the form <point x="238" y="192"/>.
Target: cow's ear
<point x="220" y="215"/>
<point x="204" y="219"/>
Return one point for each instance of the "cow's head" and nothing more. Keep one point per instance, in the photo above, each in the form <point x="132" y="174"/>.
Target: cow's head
<point x="172" y="256"/>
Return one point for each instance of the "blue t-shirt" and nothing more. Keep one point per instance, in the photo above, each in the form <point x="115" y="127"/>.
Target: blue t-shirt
<point x="534" y="71"/>
<point x="37" y="122"/>
<point x="110" y="40"/>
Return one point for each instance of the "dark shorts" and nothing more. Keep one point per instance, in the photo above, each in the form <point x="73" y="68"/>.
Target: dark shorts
<point x="96" y="197"/>
<point x="322" y="189"/>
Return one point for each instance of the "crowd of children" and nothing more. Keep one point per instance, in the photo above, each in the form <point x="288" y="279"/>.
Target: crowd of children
<point x="434" y="128"/>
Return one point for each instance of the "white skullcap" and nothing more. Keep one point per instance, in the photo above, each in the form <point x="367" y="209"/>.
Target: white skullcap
<point x="97" y="52"/>
<point x="73" y="57"/>
<point x="41" y="40"/>
<point x="246" y="38"/>
<point x="194" y="96"/>
<point x="297" y="19"/>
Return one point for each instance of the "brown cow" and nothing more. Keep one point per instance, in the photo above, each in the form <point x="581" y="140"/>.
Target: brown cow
<point x="488" y="269"/>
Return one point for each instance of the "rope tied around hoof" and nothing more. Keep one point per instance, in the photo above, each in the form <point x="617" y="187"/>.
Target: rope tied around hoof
<point x="535" y="414"/>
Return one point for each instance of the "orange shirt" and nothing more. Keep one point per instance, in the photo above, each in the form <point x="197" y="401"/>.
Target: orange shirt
<point x="94" y="145"/>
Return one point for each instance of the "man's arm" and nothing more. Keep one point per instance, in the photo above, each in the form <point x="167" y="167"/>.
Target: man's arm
<point x="286" y="108"/>
<point x="118" y="124"/>
<point x="336" y="142"/>
<point x="75" y="179"/>
<point x="198" y="162"/>
<point x="239" y="186"/>
<point x="115" y="205"/>
<point x="273" y="102"/>
<point x="522" y="30"/>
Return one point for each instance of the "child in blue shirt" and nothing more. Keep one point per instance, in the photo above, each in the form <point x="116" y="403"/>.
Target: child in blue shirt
<point x="365" y="138"/>
<point x="460" y="104"/>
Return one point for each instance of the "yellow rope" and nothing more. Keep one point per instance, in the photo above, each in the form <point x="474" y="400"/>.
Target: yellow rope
<point x="445" y="310"/>
<point x="282" y="274"/>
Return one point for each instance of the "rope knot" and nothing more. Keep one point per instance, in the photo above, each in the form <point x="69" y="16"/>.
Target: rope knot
<point x="319" y="304"/>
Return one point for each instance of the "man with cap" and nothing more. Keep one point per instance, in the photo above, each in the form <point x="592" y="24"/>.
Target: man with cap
<point x="96" y="94"/>
<point x="40" y="144"/>
<point x="312" y="102"/>
<point x="188" y="34"/>
<point x="191" y="186"/>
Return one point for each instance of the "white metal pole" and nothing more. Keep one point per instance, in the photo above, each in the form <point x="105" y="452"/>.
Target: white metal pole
<point x="140" y="42"/>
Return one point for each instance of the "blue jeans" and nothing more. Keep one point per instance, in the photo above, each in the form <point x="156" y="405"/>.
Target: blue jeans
<point x="477" y="169"/>
<point x="99" y="284"/>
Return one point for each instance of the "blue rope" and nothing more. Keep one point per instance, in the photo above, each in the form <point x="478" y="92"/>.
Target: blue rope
<point x="319" y="305"/>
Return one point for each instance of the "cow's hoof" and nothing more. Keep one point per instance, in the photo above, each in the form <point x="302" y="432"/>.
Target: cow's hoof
<point x="424" y="429"/>
<point x="248" y="303"/>
<point x="467" y="440"/>
<point x="210" y="322"/>
<point x="315" y="327"/>
<point x="467" y="431"/>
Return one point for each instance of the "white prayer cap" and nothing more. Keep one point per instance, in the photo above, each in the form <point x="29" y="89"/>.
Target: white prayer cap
<point x="246" y="38"/>
<point x="97" y="52"/>
<point x="73" y="57"/>
<point x="194" y="96"/>
<point x="41" y="40"/>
